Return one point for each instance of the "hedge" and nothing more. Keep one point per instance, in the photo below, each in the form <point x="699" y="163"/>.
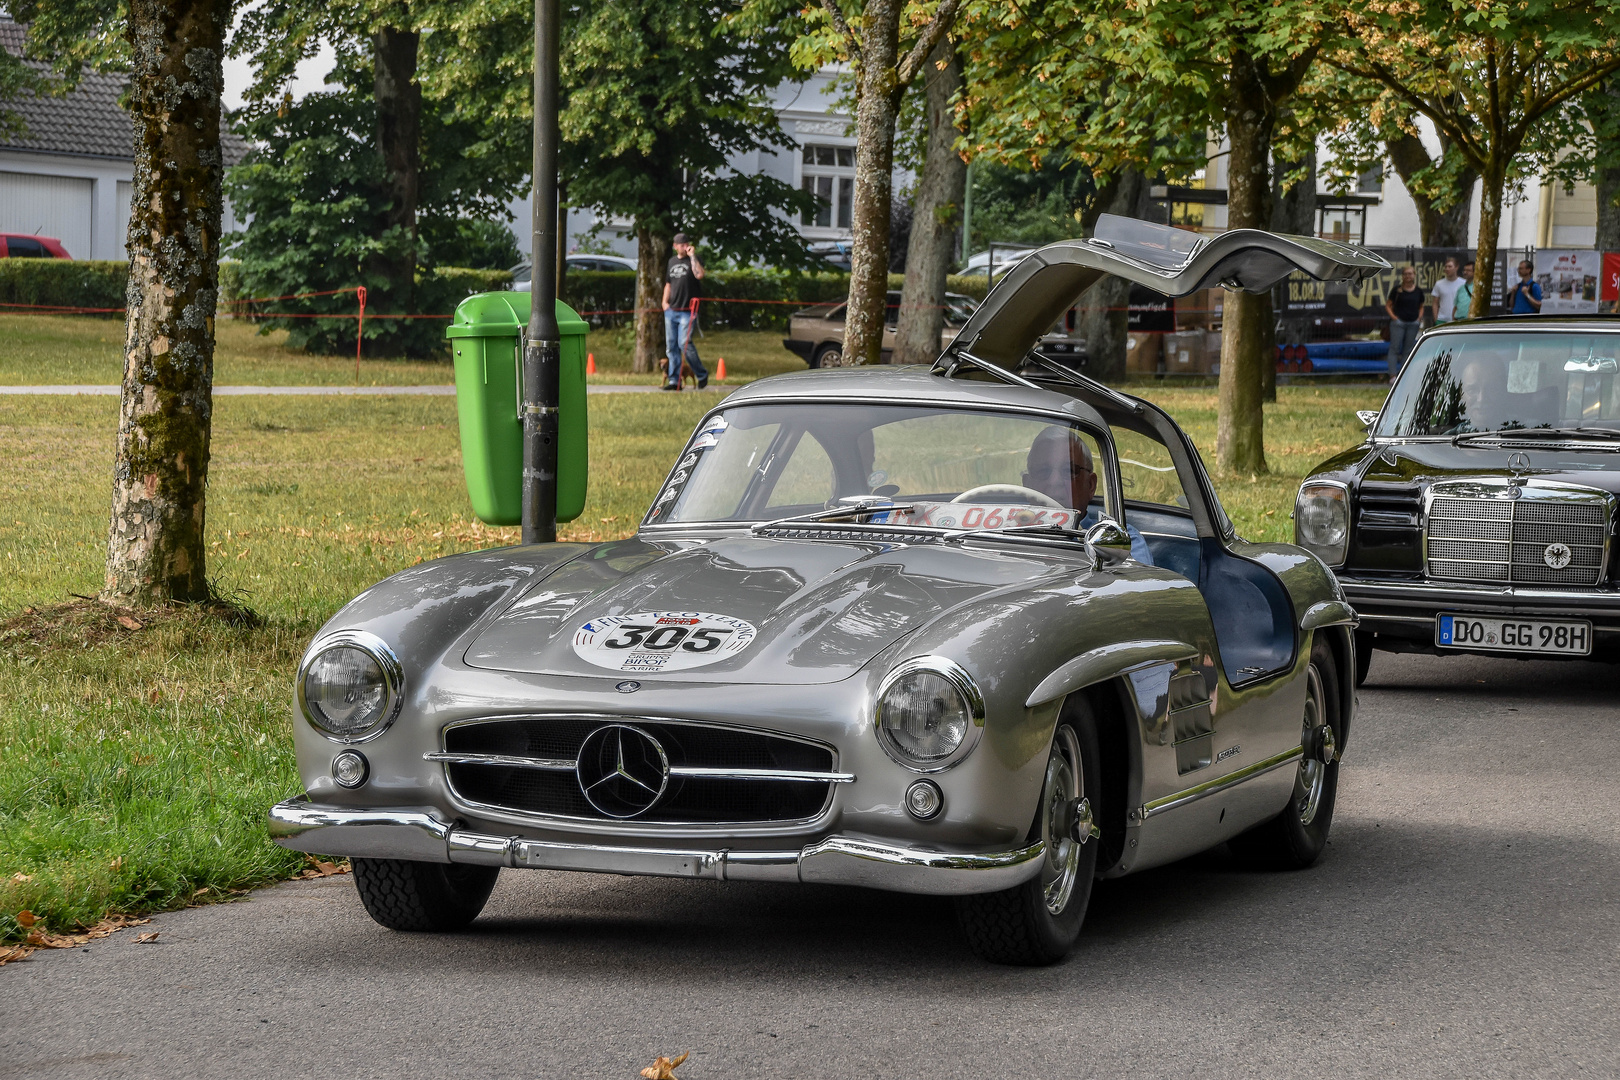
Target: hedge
<point x="606" y="298"/>
<point x="63" y="283"/>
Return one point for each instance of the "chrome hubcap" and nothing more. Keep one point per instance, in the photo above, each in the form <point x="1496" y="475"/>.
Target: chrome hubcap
<point x="1064" y="787"/>
<point x="1312" y="776"/>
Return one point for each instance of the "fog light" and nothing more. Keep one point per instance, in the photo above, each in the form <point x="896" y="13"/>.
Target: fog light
<point x="924" y="800"/>
<point x="350" y="768"/>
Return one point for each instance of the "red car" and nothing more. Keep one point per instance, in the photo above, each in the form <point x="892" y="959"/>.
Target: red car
<point x="20" y="246"/>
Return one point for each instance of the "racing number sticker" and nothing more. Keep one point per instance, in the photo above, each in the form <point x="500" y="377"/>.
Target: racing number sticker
<point x="652" y="641"/>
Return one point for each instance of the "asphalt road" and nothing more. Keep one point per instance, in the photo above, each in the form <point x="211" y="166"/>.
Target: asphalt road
<point x="1463" y="923"/>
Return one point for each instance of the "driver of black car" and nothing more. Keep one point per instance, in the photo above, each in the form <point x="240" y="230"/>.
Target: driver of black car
<point x="1059" y="467"/>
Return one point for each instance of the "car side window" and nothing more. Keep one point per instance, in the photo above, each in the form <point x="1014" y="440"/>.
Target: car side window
<point x="1155" y="500"/>
<point x="23" y="247"/>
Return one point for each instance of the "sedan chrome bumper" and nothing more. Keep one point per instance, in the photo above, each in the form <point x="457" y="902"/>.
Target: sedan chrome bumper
<point x="424" y="834"/>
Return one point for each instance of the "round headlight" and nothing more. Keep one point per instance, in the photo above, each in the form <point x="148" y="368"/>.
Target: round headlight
<point x="929" y="713"/>
<point x="349" y="688"/>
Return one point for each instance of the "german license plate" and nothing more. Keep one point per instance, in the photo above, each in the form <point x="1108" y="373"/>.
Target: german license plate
<point x="1567" y="637"/>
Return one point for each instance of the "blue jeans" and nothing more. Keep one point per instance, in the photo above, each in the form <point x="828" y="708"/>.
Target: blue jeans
<point x="1402" y="336"/>
<point x="678" y="344"/>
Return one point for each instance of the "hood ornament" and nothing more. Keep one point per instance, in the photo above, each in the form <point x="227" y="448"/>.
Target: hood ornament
<point x="1519" y="463"/>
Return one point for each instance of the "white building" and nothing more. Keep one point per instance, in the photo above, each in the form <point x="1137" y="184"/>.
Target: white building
<point x="69" y="174"/>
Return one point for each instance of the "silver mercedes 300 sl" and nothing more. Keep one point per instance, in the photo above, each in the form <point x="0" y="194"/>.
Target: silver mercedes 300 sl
<point x="979" y="630"/>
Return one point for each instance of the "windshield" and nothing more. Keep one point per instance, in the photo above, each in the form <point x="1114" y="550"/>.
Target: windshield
<point x="1495" y="381"/>
<point x="954" y="468"/>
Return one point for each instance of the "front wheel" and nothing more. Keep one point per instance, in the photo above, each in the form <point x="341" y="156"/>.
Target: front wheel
<point x="1295" y="838"/>
<point x="421" y="896"/>
<point x="1037" y="922"/>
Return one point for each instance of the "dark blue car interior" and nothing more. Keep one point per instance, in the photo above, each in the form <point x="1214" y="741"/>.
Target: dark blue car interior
<point x="1253" y="617"/>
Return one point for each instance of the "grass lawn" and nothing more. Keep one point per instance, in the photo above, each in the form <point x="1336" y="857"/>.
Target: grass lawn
<point x="139" y="760"/>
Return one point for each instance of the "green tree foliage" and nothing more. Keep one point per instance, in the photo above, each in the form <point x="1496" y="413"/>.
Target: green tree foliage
<point x="1502" y="81"/>
<point x="1023" y="205"/>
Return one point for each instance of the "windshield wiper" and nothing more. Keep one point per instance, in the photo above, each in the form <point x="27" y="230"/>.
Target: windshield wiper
<point x="1036" y="529"/>
<point x="833" y="515"/>
<point x="1535" y="433"/>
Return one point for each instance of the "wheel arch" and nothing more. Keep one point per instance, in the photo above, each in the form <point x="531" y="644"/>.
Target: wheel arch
<point x="1119" y="747"/>
<point x="1340" y="638"/>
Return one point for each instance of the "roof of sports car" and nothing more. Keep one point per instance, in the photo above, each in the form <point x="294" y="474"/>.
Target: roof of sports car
<point x="882" y="384"/>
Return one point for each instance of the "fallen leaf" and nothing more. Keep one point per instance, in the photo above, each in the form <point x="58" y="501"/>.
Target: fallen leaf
<point x="117" y="863"/>
<point x="35" y="937"/>
<point x="14" y="953"/>
<point x="21" y="878"/>
<point x="152" y="695"/>
<point x="26" y="918"/>
<point x="128" y="623"/>
<point x="663" y="1068"/>
<point x="142" y="939"/>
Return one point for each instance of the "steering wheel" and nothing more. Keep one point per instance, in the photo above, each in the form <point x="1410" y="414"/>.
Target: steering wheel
<point x="1024" y="494"/>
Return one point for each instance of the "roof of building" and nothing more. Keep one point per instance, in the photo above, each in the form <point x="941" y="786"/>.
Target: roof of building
<point x="87" y="122"/>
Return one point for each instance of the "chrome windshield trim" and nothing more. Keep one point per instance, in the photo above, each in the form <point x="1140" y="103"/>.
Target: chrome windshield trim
<point x="514" y="760"/>
<point x="1220" y="783"/>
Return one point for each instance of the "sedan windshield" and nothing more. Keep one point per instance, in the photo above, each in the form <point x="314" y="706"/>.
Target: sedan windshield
<point x="1458" y="384"/>
<point x="948" y="468"/>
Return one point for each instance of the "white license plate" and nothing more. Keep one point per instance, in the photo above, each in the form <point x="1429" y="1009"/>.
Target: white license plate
<point x="1567" y="637"/>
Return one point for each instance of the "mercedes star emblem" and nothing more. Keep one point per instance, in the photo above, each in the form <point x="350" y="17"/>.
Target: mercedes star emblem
<point x="1519" y="462"/>
<point x="629" y="686"/>
<point x="622" y="770"/>
<point x="1556" y="556"/>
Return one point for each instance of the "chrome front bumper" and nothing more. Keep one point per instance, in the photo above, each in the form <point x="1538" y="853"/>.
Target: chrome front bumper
<point x="424" y="834"/>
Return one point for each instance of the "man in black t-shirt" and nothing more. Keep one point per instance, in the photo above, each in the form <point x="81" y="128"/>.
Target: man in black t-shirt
<point x="1405" y="307"/>
<point x="681" y="292"/>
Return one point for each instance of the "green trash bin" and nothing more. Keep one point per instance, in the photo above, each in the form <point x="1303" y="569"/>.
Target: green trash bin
<point x="485" y="334"/>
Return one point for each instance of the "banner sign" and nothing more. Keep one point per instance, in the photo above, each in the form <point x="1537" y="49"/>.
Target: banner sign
<point x="1337" y="301"/>
<point x="1569" y="280"/>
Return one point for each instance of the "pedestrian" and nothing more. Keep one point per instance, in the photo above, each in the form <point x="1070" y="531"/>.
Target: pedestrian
<point x="1405" y="307"/>
<point x="1444" y="294"/>
<point x="681" y="292"/>
<point x="1527" y="293"/>
<point x="1464" y="305"/>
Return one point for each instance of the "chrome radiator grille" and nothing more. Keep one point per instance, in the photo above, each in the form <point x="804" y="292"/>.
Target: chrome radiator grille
<point x="1533" y="533"/>
<point x="655" y="771"/>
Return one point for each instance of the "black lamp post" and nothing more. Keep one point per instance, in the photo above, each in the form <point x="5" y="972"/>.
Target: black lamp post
<point x="543" y="351"/>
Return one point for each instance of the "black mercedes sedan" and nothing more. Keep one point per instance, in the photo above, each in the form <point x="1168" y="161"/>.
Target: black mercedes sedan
<point x="1478" y="515"/>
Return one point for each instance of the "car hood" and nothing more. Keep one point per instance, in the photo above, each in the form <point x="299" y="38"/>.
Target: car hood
<point x="1423" y="463"/>
<point x="811" y="611"/>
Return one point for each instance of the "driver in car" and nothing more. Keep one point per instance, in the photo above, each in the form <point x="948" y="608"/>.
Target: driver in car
<point x="1059" y="467"/>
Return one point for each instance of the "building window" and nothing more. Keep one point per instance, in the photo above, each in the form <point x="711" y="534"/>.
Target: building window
<point x="1371" y="182"/>
<point x="829" y="175"/>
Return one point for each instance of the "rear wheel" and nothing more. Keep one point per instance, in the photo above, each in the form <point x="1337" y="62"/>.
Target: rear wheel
<point x="1037" y="922"/>
<point x="830" y="355"/>
<point x="420" y="896"/>
<point x="1295" y="838"/>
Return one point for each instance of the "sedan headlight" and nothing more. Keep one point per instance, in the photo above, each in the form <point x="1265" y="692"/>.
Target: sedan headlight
<point x="1322" y="520"/>
<point x="349" y="687"/>
<point x="929" y="713"/>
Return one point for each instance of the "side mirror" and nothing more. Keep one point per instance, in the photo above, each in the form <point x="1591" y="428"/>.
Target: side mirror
<point x="1368" y="417"/>
<point x="1109" y="543"/>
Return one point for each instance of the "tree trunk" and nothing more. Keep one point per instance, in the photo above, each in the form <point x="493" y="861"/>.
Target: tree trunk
<point x="1490" y="226"/>
<point x="1607" y="179"/>
<point x="936" y="220"/>
<point x="1436" y="227"/>
<point x="1245" y="323"/>
<point x="1104" y="316"/>
<point x="399" y="135"/>
<point x="155" y="549"/>
<point x="652" y="254"/>
<point x="1293" y="211"/>
<point x="878" y="101"/>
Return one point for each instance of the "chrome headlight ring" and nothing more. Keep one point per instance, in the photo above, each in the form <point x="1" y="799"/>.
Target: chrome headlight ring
<point x="960" y="681"/>
<point x="393" y="675"/>
<point x="1322" y="520"/>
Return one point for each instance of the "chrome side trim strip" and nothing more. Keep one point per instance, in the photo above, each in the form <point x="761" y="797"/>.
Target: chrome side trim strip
<point x="1220" y="783"/>
<point x="762" y="774"/>
<point x="550" y="764"/>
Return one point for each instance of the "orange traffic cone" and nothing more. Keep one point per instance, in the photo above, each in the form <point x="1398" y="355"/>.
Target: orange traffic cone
<point x="590" y="363"/>
<point x="720" y="370"/>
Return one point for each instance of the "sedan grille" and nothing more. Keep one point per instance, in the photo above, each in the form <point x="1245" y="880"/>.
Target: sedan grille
<point x="1528" y="533"/>
<point x="655" y="771"/>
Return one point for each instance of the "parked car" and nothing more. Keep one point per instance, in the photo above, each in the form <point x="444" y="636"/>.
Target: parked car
<point x="523" y="273"/>
<point x="816" y="333"/>
<point x="1478" y="515"/>
<point x="954" y="630"/>
<point x="24" y="246"/>
<point x="994" y="262"/>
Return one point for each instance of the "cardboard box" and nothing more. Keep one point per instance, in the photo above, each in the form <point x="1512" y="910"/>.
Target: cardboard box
<point x="1184" y="353"/>
<point x="1200" y="310"/>
<point x="1142" y="353"/>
